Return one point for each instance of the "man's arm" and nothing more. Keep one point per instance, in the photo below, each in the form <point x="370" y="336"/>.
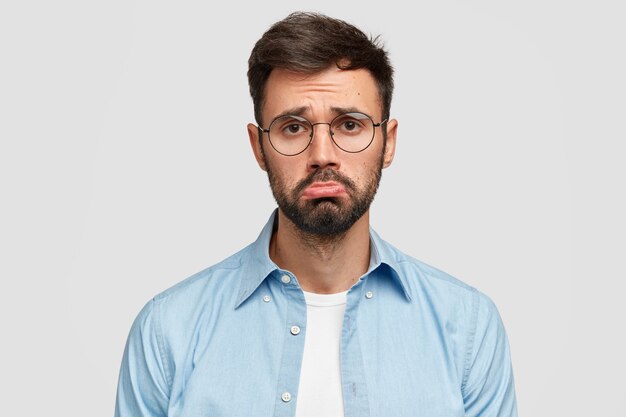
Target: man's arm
<point x="488" y="388"/>
<point x="143" y="387"/>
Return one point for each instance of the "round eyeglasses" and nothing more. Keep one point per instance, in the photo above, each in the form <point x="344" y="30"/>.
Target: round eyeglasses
<point x="290" y="135"/>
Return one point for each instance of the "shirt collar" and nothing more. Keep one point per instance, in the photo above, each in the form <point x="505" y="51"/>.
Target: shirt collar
<point x="256" y="264"/>
<point x="383" y="255"/>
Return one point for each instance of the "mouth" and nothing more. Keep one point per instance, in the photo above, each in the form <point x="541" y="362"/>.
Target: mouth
<point x="327" y="189"/>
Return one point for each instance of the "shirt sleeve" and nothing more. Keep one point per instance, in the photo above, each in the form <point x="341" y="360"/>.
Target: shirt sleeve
<point x="488" y="387"/>
<point x="143" y="387"/>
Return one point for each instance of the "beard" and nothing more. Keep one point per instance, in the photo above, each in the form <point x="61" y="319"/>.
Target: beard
<point x="329" y="217"/>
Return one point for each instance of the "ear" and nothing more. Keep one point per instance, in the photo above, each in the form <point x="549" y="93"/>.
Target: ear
<point x="255" y="143"/>
<point x="390" y="149"/>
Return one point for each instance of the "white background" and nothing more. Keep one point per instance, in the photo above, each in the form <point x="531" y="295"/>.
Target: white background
<point x="125" y="167"/>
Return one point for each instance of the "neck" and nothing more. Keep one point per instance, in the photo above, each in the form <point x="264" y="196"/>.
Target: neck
<point x="322" y="264"/>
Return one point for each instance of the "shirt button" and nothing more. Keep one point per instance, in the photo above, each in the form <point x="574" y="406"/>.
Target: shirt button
<point x="295" y="330"/>
<point x="286" y="397"/>
<point x="285" y="279"/>
<point x="369" y="295"/>
<point x="266" y="298"/>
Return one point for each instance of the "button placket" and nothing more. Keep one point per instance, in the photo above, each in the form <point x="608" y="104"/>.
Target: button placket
<point x="293" y="342"/>
<point x="352" y="365"/>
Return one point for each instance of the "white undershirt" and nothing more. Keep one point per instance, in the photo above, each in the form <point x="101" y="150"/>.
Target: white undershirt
<point x="319" y="394"/>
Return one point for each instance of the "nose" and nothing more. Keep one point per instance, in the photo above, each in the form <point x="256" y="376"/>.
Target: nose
<point x="323" y="153"/>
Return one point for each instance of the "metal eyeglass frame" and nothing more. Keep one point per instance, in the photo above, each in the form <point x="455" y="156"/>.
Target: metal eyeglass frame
<point x="312" y="134"/>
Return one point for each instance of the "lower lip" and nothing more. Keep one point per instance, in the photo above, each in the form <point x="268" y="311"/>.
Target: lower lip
<point x="324" y="191"/>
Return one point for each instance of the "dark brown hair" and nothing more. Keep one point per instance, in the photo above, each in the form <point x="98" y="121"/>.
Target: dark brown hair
<point x="310" y="42"/>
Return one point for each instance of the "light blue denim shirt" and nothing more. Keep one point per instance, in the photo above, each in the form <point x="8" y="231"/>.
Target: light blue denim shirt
<point x="415" y="342"/>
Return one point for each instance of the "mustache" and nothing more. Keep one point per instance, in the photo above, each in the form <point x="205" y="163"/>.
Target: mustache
<point x="324" y="175"/>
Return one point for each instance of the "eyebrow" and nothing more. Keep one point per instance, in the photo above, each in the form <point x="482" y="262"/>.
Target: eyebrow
<point x="342" y="110"/>
<point x="299" y="111"/>
<point x="295" y="111"/>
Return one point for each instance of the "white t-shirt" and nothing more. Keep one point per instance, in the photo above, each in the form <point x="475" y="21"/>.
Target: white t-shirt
<point x="320" y="394"/>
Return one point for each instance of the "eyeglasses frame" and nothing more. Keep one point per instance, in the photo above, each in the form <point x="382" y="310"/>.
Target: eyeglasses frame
<point x="312" y="134"/>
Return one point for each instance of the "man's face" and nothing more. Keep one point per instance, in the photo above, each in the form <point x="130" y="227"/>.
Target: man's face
<point x="323" y="190"/>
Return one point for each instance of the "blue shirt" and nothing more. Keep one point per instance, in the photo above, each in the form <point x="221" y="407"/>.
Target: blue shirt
<point x="415" y="342"/>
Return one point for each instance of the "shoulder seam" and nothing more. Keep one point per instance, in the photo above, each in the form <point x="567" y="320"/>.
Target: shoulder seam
<point x="164" y="295"/>
<point x="446" y="277"/>
<point x="470" y="339"/>
<point x="161" y="343"/>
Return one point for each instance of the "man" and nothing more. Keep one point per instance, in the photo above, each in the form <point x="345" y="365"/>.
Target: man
<point x="318" y="317"/>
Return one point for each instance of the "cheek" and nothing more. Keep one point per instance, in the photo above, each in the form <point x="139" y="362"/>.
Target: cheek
<point x="368" y="164"/>
<point x="283" y="173"/>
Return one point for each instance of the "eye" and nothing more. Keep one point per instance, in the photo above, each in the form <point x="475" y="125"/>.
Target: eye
<point x="293" y="128"/>
<point x="290" y="127"/>
<point x="348" y="124"/>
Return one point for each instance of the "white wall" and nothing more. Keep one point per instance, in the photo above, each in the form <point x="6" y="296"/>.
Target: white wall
<point x="125" y="167"/>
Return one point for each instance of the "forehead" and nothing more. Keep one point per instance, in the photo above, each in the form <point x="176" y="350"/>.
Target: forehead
<point x="319" y="93"/>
